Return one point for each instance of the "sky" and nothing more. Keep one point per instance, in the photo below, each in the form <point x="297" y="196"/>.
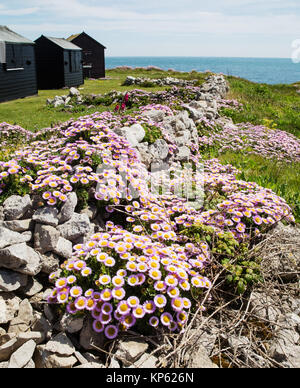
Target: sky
<point x="219" y="28"/>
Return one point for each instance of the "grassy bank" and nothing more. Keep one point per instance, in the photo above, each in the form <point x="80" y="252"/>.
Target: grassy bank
<point x="278" y="103"/>
<point x="32" y="113"/>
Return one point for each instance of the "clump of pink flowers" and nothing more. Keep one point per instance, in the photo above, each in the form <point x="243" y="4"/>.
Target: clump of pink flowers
<point x="132" y="280"/>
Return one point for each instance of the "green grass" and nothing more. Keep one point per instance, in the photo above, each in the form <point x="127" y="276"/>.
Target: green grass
<point x="279" y="103"/>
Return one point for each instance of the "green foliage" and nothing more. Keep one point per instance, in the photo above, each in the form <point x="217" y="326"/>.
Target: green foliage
<point x="153" y="133"/>
<point x="241" y="271"/>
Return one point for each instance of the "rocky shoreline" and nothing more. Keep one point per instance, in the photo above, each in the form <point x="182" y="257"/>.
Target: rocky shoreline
<point x="35" y="240"/>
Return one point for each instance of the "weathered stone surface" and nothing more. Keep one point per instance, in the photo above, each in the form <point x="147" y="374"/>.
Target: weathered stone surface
<point x="9" y="237"/>
<point x="32" y="287"/>
<point x="7" y="349"/>
<point x="45" y="359"/>
<point x="22" y="356"/>
<point x="35" y="336"/>
<point x="130" y="351"/>
<point x="90" y="365"/>
<point x="199" y="359"/>
<point x="68" y="208"/>
<point x="46" y="216"/>
<point x="11" y="281"/>
<point x="24" y="319"/>
<point x="18" y="225"/>
<point x="144" y="154"/>
<point x="88" y="337"/>
<point x="9" y="306"/>
<point x="114" y="364"/>
<point x="76" y="227"/>
<point x="63" y="248"/>
<point x="15" y="207"/>
<point x="42" y="325"/>
<point x="183" y="154"/>
<point x="74" y="92"/>
<point x="159" y="150"/>
<point x="61" y="345"/>
<point x="146" y="361"/>
<point x="71" y="324"/>
<point x="155" y="115"/>
<point x="262" y="305"/>
<point x="134" y="134"/>
<point x="29" y="365"/>
<point x="45" y="238"/>
<point x="50" y="262"/>
<point x="21" y="258"/>
<point x="285" y="347"/>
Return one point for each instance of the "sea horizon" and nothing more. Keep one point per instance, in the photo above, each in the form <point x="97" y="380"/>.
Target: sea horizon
<point x="256" y="69"/>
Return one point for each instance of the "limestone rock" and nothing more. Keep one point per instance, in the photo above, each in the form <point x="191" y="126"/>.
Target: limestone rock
<point x="76" y="227"/>
<point x="90" y="365"/>
<point x="11" y="281"/>
<point x="71" y="324"/>
<point x="74" y="92"/>
<point x="9" y="306"/>
<point x="50" y="263"/>
<point x="46" y="216"/>
<point x="61" y="345"/>
<point x="45" y="359"/>
<point x="199" y="359"/>
<point x="9" y="237"/>
<point x="21" y="258"/>
<point x="24" y="319"/>
<point x="45" y="238"/>
<point x="155" y="115"/>
<point x="7" y="349"/>
<point x="63" y="248"/>
<point x="134" y="134"/>
<point x="145" y="362"/>
<point x="68" y="208"/>
<point x="32" y="287"/>
<point x="15" y="207"/>
<point x="159" y="149"/>
<point x="18" y="225"/>
<point x="130" y="351"/>
<point x="22" y="356"/>
<point x="88" y="337"/>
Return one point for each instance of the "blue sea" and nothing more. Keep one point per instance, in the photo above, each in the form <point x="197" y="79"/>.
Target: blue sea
<point x="262" y="70"/>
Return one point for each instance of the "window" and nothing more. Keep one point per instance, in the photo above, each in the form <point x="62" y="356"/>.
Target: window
<point x="14" y="57"/>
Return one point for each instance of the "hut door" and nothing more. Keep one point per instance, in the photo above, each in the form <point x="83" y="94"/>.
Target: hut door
<point x="14" y="57"/>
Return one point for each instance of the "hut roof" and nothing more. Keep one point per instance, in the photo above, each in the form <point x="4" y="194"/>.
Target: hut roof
<point x="9" y="36"/>
<point x="74" y="36"/>
<point x="63" y="43"/>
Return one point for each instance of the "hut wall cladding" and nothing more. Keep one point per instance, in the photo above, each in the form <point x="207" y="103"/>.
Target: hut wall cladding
<point x="19" y="83"/>
<point x="92" y="53"/>
<point x="49" y="62"/>
<point x="57" y="67"/>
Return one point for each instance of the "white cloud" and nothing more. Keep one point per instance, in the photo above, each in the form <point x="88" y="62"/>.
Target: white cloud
<point x="17" y="12"/>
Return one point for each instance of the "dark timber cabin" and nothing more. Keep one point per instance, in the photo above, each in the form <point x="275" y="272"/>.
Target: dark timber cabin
<point x="17" y="66"/>
<point x="59" y="63"/>
<point x="93" y="55"/>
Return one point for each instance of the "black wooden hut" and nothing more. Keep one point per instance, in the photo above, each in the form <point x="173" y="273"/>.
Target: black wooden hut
<point x="59" y="63"/>
<point x="93" y="55"/>
<point x="17" y="66"/>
